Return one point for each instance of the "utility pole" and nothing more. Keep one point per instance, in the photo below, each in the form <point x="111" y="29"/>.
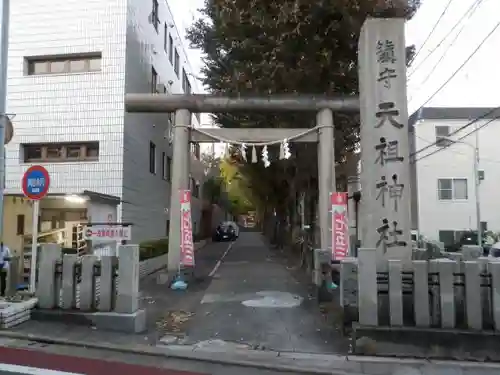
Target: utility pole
<point x="477" y="183"/>
<point x="4" y="40"/>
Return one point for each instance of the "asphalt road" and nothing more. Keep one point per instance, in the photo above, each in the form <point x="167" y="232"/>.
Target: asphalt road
<point x="65" y="360"/>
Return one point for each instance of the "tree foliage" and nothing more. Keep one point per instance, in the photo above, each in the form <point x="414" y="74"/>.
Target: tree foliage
<point x="261" y="47"/>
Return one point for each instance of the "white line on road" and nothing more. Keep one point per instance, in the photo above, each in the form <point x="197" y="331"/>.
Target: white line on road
<point x="219" y="262"/>
<point x="25" y="370"/>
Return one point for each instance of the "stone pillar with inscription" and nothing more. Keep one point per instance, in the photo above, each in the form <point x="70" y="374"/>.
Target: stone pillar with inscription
<point x="385" y="168"/>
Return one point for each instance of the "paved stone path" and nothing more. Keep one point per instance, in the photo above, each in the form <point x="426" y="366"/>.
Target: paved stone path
<point x="255" y="302"/>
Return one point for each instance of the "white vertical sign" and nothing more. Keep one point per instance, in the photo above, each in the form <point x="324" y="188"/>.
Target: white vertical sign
<point x="385" y="168"/>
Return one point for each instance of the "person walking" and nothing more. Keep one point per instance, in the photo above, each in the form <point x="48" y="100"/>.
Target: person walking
<point x="4" y="267"/>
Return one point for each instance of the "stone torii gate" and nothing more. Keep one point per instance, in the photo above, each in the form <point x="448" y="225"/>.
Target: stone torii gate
<point x="385" y="172"/>
<point x="184" y="133"/>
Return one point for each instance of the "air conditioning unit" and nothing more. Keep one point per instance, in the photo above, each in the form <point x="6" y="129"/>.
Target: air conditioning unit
<point x="161" y="88"/>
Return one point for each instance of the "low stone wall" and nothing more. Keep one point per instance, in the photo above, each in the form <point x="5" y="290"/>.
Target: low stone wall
<point x="149" y="266"/>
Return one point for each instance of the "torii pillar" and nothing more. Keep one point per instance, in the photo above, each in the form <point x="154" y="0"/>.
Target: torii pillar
<point x="184" y="105"/>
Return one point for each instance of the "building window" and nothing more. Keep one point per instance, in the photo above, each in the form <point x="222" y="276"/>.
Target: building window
<point x="442" y="134"/>
<point x="196" y="150"/>
<point x="196" y="189"/>
<point x="452" y="189"/>
<point x="198" y="117"/>
<point x="169" y="169"/>
<point x="20" y="225"/>
<point x="177" y="63"/>
<point x="154" y="81"/>
<point x="155" y="15"/>
<point x="63" y="64"/>
<point x="60" y="152"/>
<point x="152" y="158"/>
<point x="165" y="38"/>
<point x="184" y="80"/>
<point x="171" y="49"/>
<point x="164" y="166"/>
<point x="186" y="85"/>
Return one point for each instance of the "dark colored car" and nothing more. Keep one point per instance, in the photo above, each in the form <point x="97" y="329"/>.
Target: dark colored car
<point x="469" y="238"/>
<point x="224" y="233"/>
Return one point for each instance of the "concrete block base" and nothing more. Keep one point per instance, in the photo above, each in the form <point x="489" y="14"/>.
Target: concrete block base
<point x="15" y="313"/>
<point x="428" y="343"/>
<point x="109" y="321"/>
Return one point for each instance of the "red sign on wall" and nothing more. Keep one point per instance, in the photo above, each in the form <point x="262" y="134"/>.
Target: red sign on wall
<point x="187" y="246"/>
<point x="340" y="226"/>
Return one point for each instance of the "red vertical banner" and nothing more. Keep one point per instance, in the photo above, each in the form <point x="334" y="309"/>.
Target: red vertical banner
<point x="187" y="246"/>
<point x="340" y="226"/>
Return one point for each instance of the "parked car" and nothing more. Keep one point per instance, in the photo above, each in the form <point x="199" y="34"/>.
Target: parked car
<point x="224" y="232"/>
<point x="471" y="238"/>
<point x="234" y="226"/>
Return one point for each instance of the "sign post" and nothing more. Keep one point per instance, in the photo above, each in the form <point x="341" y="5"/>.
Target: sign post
<point x="187" y="246"/>
<point x="35" y="185"/>
<point x="340" y="226"/>
<point x="385" y="164"/>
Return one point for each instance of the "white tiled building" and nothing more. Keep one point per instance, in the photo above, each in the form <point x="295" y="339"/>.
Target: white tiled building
<point x="445" y="190"/>
<point x="70" y="64"/>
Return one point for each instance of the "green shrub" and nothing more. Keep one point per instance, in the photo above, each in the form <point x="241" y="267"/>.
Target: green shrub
<point x="153" y="248"/>
<point x="198" y="237"/>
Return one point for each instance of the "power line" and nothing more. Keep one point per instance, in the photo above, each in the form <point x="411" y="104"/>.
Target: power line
<point x="463" y="64"/>
<point x="497" y="161"/>
<point x="434" y="67"/>
<point x="472" y="9"/>
<point x="432" y="31"/>
<point x="459" y="139"/>
<point x="472" y="122"/>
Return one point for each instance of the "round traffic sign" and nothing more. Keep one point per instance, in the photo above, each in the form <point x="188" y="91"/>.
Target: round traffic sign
<point x="36" y="182"/>
<point x="9" y="130"/>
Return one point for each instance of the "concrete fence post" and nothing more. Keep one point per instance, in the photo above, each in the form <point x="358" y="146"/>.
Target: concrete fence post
<point x="128" y="279"/>
<point x="494" y="267"/>
<point x="87" y="284"/>
<point x="395" y="268"/>
<point x="367" y="287"/>
<point x="69" y="281"/>
<point x="446" y="268"/>
<point x="421" y="304"/>
<point x="107" y="287"/>
<point x="473" y="303"/>
<point x="48" y="287"/>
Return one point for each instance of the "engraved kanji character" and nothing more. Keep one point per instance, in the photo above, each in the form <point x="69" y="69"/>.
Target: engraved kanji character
<point x="386" y="75"/>
<point x="387" y="151"/>
<point x="387" y="113"/>
<point x="394" y="190"/>
<point x="386" y="52"/>
<point x="389" y="238"/>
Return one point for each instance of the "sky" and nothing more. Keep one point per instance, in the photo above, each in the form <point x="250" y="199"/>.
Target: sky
<point x="474" y="85"/>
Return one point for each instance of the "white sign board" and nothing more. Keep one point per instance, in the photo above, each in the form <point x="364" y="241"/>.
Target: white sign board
<point x="385" y="168"/>
<point x="107" y="233"/>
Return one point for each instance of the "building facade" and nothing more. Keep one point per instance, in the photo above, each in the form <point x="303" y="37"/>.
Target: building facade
<point x="444" y="142"/>
<point x="70" y="65"/>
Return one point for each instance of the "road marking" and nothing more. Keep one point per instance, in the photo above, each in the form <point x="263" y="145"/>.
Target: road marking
<point x="25" y="370"/>
<point x="219" y="262"/>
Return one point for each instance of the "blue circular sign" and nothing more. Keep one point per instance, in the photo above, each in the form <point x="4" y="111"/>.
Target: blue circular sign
<point x="36" y="182"/>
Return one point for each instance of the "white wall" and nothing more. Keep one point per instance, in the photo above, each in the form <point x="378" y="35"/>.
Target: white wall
<point x="76" y="107"/>
<point x="457" y="162"/>
<point x="147" y="195"/>
<point x="90" y="106"/>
